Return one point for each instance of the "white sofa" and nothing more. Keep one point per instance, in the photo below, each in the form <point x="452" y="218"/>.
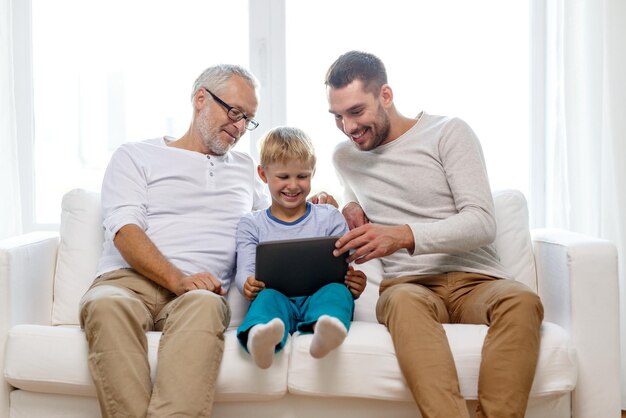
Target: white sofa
<point x="43" y="276"/>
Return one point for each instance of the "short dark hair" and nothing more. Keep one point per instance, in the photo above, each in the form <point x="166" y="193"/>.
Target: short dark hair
<point x="357" y="65"/>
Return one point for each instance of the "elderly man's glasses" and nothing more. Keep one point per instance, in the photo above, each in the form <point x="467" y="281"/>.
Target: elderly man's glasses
<point x="235" y="114"/>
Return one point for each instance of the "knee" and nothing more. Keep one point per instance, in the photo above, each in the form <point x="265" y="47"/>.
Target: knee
<point x="524" y="305"/>
<point x="103" y="304"/>
<point x="271" y="297"/>
<point x="206" y="304"/>
<point x="334" y="287"/>
<point x="269" y="294"/>
<point x="402" y="295"/>
<point x="339" y="289"/>
<point x="406" y="298"/>
<point x="531" y="303"/>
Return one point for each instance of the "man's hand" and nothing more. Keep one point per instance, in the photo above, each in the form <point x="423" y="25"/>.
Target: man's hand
<point x="354" y="215"/>
<point x="355" y="281"/>
<point x="323" y="197"/>
<point x="143" y="256"/>
<point x="204" y="280"/>
<point x="252" y="287"/>
<point x="373" y="241"/>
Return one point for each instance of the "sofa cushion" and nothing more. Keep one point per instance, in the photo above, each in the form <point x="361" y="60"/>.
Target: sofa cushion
<point x="79" y="250"/>
<point x="513" y="242"/>
<point x="365" y="365"/>
<point x="54" y="360"/>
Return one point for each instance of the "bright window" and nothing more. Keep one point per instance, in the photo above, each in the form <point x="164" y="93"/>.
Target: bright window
<point x="447" y="57"/>
<point x="109" y="72"/>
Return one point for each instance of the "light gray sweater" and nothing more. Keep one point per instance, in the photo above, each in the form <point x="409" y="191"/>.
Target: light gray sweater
<point x="434" y="179"/>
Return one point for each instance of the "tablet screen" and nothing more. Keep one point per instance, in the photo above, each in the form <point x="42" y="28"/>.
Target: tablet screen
<point x="299" y="267"/>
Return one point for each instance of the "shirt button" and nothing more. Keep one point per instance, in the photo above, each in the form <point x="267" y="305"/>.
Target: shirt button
<point x="211" y="174"/>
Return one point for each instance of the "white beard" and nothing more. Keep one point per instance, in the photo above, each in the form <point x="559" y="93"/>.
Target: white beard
<point x="210" y="137"/>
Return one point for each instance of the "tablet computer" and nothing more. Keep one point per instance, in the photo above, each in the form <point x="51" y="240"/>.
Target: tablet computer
<point x="299" y="267"/>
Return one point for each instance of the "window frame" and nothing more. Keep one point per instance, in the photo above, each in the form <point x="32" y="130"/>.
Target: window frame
<point x="24" y="110"/>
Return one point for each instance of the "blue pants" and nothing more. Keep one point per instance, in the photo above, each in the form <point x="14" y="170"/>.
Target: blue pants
<point x="297" y="313"/>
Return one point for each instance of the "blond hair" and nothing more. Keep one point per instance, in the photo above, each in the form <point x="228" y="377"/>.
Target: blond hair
<point x="285" y="143"/>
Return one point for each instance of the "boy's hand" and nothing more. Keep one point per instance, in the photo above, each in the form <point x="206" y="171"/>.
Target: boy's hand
<point x="252" y="287"/>
<point x="356" y="281"/>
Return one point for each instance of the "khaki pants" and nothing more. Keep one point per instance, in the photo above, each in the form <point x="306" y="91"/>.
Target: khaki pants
<point x="413" y="309"/>
<point x="117" y="311"/>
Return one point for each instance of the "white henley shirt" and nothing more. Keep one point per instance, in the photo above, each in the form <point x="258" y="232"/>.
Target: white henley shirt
<point x="187" y="203"/>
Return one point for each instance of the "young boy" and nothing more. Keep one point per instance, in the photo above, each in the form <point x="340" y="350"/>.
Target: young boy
<point x="287" y="165"/>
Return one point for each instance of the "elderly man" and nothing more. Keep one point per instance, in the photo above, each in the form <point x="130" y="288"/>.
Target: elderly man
<point x="171" y="208"/>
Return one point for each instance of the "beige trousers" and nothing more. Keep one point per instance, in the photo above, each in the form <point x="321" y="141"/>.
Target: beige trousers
<point x="413" y="309"/>
<point x="116" y="312"/>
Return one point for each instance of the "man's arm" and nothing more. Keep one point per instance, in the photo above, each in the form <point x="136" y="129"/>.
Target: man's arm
<point x="143" y="256"/>
<point x="354" y="215"/>
<point x="472" y="226"/>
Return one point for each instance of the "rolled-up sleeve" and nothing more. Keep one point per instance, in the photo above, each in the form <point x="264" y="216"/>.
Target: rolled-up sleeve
<point x="124" y="193"/>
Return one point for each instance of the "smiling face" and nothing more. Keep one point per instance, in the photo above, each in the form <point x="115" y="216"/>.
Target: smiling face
<point x="360" y="114"/>
<point x="216" y="131"/>
<point x="289" y="184"/>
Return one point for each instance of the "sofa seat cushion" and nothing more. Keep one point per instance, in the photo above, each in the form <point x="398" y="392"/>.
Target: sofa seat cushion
<point x="365" y="365"/>
<point x="53" y="359"/>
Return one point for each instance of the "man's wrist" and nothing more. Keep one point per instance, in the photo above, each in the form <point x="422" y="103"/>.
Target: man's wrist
<point x="174" y="281"/>
<point x="408" y="240"/>
<point x="350" y="203"/>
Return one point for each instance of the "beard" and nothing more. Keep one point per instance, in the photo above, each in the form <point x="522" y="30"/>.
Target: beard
<point x="210" y="135"/>
<point x="379" y="130"/>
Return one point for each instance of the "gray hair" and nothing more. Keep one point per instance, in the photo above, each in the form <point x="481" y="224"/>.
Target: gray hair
<point x="214" y="78"/>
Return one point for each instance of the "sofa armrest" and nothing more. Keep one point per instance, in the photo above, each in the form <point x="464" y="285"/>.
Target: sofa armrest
<point x="578" y="284"/>
<point x="27" y="265"/>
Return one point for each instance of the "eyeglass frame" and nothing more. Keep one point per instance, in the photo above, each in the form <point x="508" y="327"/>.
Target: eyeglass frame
<point x="250" y="123"/>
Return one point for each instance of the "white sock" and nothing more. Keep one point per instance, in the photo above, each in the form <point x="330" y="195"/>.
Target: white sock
<point x="329" y="333"/>
<point x="262" y="340"/>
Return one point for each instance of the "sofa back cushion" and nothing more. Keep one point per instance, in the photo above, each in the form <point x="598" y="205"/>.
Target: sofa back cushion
<point x="80" y="246"/>
<point x="513" y="242"/>
<point x="82" y="235"/>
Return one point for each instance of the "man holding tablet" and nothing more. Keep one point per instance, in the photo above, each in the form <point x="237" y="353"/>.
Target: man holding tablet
<point x="287" y="165"/>
<point x="420" y="200"/>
